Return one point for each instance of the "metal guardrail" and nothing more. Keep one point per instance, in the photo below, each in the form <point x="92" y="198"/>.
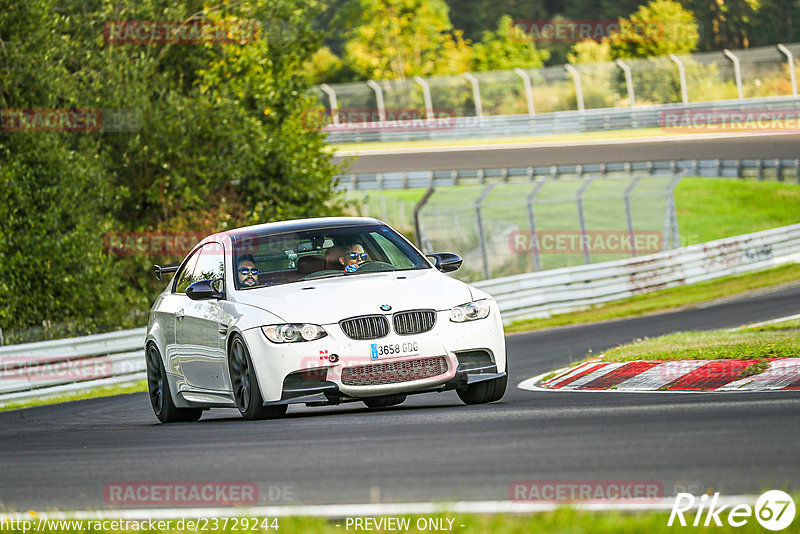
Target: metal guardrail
<point x="546" y="293"/>
<point x="732" y="168"/>
<point x="48" y="368"/>
<point x="558" y="122"/>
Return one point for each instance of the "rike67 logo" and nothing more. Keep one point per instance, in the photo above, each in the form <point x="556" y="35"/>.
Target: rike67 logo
<point x="774" y="510"/>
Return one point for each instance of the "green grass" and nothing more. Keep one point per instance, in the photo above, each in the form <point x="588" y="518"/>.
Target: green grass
<point x="783" y="325"/>
<point x="713" y="208"/>
<point x="711" y="345"/>
<point x="105" y="391"/>
<point x="668" y="299"/>
<point x="564" y="520"/>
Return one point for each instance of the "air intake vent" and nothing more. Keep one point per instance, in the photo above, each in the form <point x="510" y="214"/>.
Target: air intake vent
<point x="413" y="322"/>
<point x="394" y="372"/>
<point x="366" y="327"/>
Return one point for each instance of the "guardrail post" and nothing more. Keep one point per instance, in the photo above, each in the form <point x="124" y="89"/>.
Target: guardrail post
<point x="587" y="257"/>
<point x="328" y="90"/>
<point x="737" y="71"/>
<point x="682" y="75"/>
<point x="796" y="175"/>
<point x="476" y="94"/>
<point x="481" y="232"/>
<point x="779" y="170"/>
<point x="629" y="212"/>
<point x="760" y="169"/>
<point x="628" y="80"/>
<point x="526" y="82"/>
<point x="790" y="58"/>
<point x="417" y="224"/>
<point x="378" y="99"/>
<point x="671" y="217"/>
<point x="578" y="89"/>
<point x="426" y="95"/>
<point x="537" y="262"/>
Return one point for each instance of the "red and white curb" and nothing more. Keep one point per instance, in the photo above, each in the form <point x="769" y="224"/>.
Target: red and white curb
<point x="659" y="375"/>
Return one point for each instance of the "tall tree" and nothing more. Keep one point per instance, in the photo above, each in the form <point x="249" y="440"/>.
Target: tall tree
<point x="401" y="38"/>
<point x="506" y="48"/>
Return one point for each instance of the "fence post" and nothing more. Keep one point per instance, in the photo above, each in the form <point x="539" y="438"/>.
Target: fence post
<point x="334" y="104"/>
<point x="628" y="80"/>
<point x="537" y="262"/>
<point x="737" y="71"/>
<point x="790" y="58"/>
<point x="378" y="99"/>
<point x="578" y="89"/>
<point x="481" y="232"/>
<point x="587" y="258"/>
<point x="629" y="213"/>
<point x="417" y="224"/>
<point x="682" y="75"/>
<point x="426" y="95"/>
<point x="526" y="82"/>
<point x="673" y="212"/>
<point x="476" y="94"/>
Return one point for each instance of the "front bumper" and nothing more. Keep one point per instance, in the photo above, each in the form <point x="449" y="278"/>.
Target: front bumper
<point x="328" y="393"/>
<point x="332" y="359"/>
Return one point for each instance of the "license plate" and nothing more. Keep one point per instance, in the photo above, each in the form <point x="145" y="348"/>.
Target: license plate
<point x="394" y="350"/>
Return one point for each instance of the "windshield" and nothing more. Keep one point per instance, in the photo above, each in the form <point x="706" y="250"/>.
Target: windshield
<point x="273" y="259"/>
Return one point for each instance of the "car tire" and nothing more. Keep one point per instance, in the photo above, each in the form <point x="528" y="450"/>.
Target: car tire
<point x="244" y="384"/>
<point x="383" y="402"/>
<point x="482" y="392"/>
<point x="159" y="393"/>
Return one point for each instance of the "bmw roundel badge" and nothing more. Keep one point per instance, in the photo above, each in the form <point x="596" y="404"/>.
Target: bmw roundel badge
<point x="386" y="307"/>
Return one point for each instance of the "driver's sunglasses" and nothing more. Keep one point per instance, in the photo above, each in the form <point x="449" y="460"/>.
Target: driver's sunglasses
<point x="356" y="255"/>
<point x="245" y="272"/>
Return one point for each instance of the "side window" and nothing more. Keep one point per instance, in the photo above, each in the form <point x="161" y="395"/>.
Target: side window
<point x="210" y="265"/>
<point x="206" y="264"/>
<point x="184" y="278"/>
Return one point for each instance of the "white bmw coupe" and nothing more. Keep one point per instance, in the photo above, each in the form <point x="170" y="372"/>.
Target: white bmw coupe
<point x="320" y="312"/>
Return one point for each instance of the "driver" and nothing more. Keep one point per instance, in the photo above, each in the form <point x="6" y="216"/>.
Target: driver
<point x="246" y="271"/>
<point x="352" y="257"/>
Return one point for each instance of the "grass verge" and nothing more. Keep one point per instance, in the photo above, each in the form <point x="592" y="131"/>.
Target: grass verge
<point x="561" y="520"/>
<point x="712" y="345"/>
<point x="668" y="299"/>
<point x="105" y="391"/>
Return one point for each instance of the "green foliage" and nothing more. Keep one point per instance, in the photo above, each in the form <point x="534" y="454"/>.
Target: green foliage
<point x="220" y="142"/>
<point x="661" y="27"/>
<point x="388" y="39"/>
<point x="506" y="49"/>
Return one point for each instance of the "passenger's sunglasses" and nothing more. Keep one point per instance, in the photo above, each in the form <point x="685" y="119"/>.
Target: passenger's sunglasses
<point x="245" y="272"/>
<point x="356" y="255"/>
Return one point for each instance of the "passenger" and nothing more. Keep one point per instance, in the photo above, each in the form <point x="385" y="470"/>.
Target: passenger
<point x="246" y="271"/>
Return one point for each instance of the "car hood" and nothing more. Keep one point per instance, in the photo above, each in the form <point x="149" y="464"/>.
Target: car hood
<point x="329" y="300"/>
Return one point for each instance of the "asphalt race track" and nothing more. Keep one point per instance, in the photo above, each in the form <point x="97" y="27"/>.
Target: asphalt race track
<point x="739" y="146"/>
<point x="432" y="447"/>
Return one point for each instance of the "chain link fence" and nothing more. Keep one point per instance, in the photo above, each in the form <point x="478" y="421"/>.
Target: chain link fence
<point x="502" y="229"/>
<point x="705" y="77"/>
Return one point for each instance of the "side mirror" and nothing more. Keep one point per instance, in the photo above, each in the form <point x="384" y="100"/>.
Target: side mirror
<point x="204" y="290"/>
<point x="446" y="261"/>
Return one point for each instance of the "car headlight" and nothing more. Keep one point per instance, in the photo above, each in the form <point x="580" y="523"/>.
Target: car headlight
<point x="293" y="332"/>
<point x="471" y="311"/>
